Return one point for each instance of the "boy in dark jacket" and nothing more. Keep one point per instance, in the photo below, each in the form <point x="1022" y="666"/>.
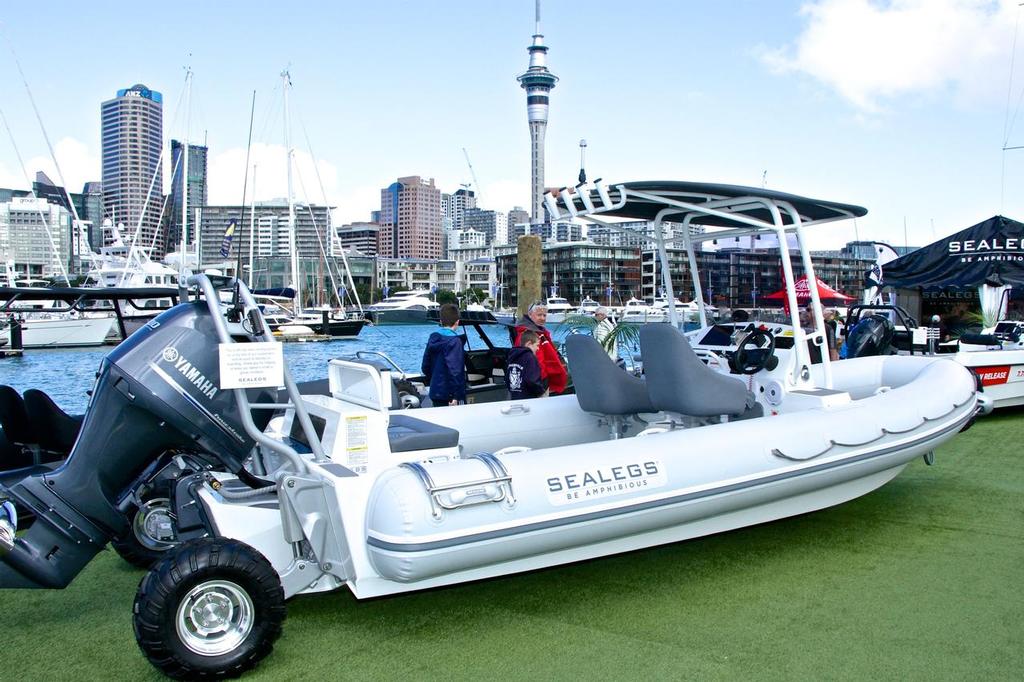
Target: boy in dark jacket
<point x="523" y="370"/>
<point x="444" y="361"/>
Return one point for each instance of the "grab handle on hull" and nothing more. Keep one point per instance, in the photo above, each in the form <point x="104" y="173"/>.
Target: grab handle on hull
<point x="451" y="496"/>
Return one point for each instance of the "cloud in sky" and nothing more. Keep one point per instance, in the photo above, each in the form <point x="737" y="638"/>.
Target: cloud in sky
<point x="226" y="176"/>
<point x="77" y="162"/>
<point x="870" y="51"/>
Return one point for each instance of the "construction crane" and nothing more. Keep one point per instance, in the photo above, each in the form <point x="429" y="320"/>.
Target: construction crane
<point x="472" y="173"/>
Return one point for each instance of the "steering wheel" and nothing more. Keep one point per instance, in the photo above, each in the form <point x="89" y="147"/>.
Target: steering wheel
<point x="755" y="352"/>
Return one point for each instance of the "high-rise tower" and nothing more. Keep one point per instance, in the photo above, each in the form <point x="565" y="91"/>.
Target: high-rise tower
<point x="537" y="81"/>
<point x="132" y="139"/>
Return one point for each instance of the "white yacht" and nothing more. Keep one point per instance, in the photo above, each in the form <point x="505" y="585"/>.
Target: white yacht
<point x="558" y="308"/>
<point x="588" y="306"/>
<point x="405" y="307"/>
<point x="635" y="311"/>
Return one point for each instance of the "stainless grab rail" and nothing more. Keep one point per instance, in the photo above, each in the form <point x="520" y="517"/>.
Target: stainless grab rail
<point x="245" y="407"/>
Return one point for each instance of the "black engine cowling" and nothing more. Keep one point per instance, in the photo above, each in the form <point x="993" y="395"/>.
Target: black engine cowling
<point x="872" y="335"/>
<point x="158" y="390"/>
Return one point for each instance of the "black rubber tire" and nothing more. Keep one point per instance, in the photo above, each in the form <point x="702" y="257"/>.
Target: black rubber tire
<point x="169" y="581"/>
<point x="129" y="549"/>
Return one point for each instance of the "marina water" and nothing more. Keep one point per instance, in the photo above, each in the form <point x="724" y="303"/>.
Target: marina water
<point x="67" y="374"/>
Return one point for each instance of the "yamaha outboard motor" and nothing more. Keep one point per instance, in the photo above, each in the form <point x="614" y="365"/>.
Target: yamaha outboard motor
<point x="158" y="390"/>
<point x="873" y="335"/>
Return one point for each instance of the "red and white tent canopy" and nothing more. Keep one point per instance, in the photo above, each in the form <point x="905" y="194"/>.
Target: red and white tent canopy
<point x="803" y="293"/>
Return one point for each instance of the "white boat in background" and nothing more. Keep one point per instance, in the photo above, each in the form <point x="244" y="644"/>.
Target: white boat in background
<point x="404" y="307"/>
<point x="65" y="330"/>
<point x="558" y="308"/>
<point x="588" y="306"/>
<point x="634" y="312"/>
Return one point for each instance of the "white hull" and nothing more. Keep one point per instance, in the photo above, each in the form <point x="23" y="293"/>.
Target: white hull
<point x="578" y="494"/>
<point x="65" y="332"/>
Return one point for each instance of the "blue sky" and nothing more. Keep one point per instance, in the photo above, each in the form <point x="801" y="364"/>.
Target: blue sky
<point x="899" y="106"/>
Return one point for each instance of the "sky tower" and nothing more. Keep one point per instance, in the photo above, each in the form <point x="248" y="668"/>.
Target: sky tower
<point x="537" y="81"/>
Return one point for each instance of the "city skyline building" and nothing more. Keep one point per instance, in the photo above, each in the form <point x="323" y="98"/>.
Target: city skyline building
<point x="361" y="237"/>
<point x="196" y="188"/>
<point x="538" y="82"/>
<point x="493" y="224"/>
<point x="410" y="219"/>
<point x="131" y="136"/>
<point x="35" y="238"/>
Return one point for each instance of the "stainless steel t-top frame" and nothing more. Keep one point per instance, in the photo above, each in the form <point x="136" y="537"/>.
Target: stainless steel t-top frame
<point x="725" y="211"/>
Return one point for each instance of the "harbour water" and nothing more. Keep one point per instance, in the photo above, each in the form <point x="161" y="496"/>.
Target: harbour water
<point x="67" y="374"/>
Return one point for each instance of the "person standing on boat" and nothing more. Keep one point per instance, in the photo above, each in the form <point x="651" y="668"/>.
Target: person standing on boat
<point x="832" y="334"/>
<point x="605" y="329"/>
<point x="523" y="370"/>
<point x="444" y="361"/>
<point x="551" y="366"/>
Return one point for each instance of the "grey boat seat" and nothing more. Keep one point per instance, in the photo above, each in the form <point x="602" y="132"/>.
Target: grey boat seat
<point x="602" y="387"/>
<point x="406" y="434"/>
<point x="679" y="382"/>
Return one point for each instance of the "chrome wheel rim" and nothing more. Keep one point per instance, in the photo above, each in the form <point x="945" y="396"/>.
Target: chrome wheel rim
<point x="215" y="617"/>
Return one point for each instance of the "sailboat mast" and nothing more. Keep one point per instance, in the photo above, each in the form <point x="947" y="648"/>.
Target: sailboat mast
<point x="252" y="225"/>
<point x="183" y="237"/>
<point x="292" y="241"/>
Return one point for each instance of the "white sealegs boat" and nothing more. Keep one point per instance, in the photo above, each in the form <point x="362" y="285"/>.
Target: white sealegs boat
<point x="347" y="490"/>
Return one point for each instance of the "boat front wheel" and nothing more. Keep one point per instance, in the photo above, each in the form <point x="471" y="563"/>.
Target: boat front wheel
<point x="209" y="609"/>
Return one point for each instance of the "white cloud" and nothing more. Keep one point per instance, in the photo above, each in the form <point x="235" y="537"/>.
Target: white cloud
<point x="870" y="51"/>
<point x="226" y="176"/>
<point x="76" y="160"/>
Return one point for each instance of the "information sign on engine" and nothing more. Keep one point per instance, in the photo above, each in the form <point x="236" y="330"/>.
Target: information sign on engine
<point x="251" y="365"/>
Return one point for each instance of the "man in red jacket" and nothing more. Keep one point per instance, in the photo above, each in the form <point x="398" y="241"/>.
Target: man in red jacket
<point x="551" y="367"/>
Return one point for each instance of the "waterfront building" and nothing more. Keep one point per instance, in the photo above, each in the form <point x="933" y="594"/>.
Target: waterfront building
<point x="731" y="277"/>
<point x="740" y="278"/>
<point x="194" y="191"/>
<point x="410" y="219"/>
<point x="639" y="233"/>
<point x="538" y="82"/>
<point x="470" y="252"/>
<point x="479" y="273"/>
<point x="466" y="238"/>
<point x="36" y="235"/>
<point x="270" y="236"/>
<point x="132" y="139"/>
<point x="577" y="270"/>
<point x="359" y="236"/>
<point x="424" y="274"/>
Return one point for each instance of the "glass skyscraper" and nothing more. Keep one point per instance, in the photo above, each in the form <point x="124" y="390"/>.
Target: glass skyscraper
<point x="132" y="138"/>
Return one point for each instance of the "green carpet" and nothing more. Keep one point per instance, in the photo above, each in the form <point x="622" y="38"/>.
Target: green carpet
<point x="918" y="580"/>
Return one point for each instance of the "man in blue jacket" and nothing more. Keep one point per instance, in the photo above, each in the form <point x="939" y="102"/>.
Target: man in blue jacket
<point x="444" y="361"/>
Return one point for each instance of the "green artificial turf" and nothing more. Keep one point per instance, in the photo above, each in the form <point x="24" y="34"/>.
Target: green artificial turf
<point x="918" y="580"/>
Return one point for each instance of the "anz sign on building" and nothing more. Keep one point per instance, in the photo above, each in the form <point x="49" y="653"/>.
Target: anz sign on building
<point x="143" y="92"/>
